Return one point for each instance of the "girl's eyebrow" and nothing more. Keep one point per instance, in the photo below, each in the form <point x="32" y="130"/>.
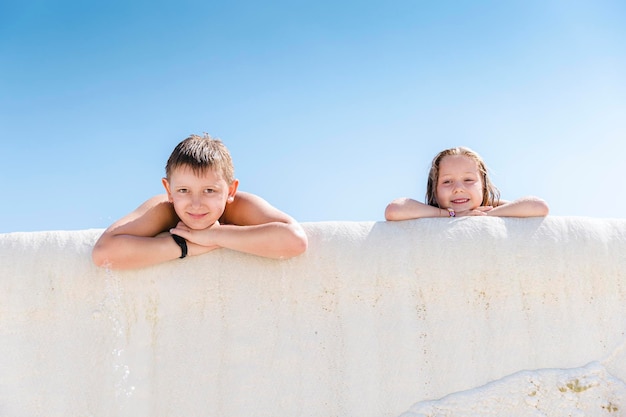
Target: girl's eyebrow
<point x="464" y="172"/>
<point x="474" y="173"/>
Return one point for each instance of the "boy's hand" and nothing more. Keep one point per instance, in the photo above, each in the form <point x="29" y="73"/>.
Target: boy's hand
<point x="251" y="225"/>
<point x="197" y="240"/>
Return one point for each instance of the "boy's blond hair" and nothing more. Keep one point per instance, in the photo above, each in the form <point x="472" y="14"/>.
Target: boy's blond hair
<point x="202" y="153"/>
<point x="491" y="195"/>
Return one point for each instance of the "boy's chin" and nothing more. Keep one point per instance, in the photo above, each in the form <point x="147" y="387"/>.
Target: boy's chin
<point x="199" y="225"/>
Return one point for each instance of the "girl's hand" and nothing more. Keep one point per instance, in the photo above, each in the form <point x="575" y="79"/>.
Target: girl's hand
<point x="478" y="211"/>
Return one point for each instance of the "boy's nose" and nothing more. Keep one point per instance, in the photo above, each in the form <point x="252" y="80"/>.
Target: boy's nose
<point x="195" y="201"/>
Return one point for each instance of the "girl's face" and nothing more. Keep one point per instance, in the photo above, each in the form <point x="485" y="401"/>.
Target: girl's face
<point x="460" y="185"/>
<point x="199" y="200"/>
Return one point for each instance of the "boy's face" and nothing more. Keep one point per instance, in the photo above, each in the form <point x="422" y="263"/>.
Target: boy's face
<point x="199" y="200"/>
<point x="460" y="185"/>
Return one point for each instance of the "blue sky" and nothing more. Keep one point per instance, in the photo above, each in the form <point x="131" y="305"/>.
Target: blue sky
<point x="331" y="109"/>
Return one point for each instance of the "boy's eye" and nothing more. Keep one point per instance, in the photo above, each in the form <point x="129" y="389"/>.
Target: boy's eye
<point x="182" y="190"/>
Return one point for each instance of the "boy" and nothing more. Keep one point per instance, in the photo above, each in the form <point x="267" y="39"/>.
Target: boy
<point x="202" y="211"/>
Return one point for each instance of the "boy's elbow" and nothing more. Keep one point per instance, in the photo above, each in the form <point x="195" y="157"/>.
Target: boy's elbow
<point x="98" y="255"/>
<point x="299" y="243"/>
<point x="101" y="254"/>
<point x="299" y="248"/>
<point x="293" y="243"/>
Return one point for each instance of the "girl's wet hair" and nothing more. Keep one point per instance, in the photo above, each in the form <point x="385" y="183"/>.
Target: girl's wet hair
<point x="491" y="194"/>
<point x="202" y="153"/>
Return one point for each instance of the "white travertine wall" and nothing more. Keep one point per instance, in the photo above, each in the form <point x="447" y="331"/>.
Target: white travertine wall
<point x="374" y="318"/>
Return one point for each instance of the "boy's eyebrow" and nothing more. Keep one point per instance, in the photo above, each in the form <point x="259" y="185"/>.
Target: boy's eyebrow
<point x="201" y="186"/>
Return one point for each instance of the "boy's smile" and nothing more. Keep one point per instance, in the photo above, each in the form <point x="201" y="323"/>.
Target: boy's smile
<point x="199" y="199"/>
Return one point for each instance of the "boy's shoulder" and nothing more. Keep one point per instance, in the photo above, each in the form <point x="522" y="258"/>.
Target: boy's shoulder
<point x="158" y="211"/>
<point x="236" y="210"/>
<point x="251" y="209"/>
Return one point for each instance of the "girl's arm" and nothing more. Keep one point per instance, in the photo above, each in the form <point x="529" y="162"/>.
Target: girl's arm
<point x="407" y="208"/>
<point x="529" y="206"/>
<point x="250" y="224"/>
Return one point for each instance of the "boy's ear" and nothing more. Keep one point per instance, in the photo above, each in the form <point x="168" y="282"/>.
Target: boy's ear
<point x="232" y="190"/>
<point x="166" y="184"/>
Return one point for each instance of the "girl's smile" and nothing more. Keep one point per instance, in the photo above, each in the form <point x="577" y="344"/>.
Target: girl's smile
<point x="460" y="201"/>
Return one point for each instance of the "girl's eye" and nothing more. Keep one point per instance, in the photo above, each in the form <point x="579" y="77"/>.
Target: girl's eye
<point x="209" y="191"/>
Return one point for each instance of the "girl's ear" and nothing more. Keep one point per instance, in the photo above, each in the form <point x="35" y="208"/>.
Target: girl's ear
<point x="166" y="184"/>
<point x="232" y="190"/>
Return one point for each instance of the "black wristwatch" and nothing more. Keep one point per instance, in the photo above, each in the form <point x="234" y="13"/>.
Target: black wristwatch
<point x="180" y="241"/>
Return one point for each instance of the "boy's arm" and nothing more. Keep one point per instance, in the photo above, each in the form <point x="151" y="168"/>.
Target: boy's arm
<point x="251" y="225"/>
<point x="407" y="208"/>
<point x="132" y="241"/>
<point x="523" y="207"/>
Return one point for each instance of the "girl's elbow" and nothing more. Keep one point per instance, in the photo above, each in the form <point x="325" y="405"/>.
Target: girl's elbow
<point x="392" y="212"/>
<point x="539" y="206"/>
<point x="544" y="209"/>
<point x="534" y="207"/>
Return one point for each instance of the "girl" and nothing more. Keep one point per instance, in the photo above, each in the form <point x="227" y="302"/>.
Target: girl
<point x="458" y="185"/>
